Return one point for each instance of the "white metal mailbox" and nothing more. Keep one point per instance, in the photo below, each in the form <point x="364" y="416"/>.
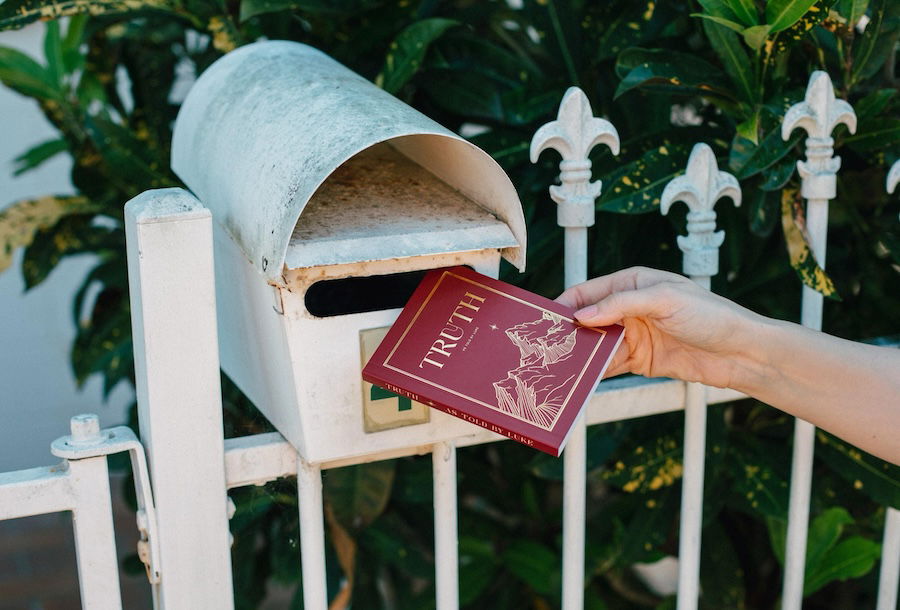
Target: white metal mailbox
<point x="327" y="192"/>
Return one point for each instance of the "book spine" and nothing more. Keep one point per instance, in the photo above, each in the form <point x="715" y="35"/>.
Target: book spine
<point x="472" y="419"/>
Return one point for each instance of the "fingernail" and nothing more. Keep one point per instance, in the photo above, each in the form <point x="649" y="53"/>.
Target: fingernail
<point x="586" y="312"/>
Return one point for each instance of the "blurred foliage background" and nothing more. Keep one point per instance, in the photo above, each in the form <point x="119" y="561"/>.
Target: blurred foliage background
<point x="667" y="74"/>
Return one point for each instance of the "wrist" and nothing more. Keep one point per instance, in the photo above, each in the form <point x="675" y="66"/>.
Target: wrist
<point x="757" y="349"/>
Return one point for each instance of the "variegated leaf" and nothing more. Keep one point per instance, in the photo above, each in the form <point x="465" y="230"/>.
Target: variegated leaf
<point x="20" y="221"/>
<point x="19" y="13"/>
<point x="803" y="261"/>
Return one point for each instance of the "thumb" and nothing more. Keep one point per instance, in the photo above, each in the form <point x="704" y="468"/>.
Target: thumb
<point x="619" y="305"/>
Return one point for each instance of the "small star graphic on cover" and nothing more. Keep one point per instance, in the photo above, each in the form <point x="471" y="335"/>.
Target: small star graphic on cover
<point x="493" y="327"/>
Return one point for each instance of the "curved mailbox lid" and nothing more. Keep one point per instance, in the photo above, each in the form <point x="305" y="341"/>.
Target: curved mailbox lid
<point x="266" y="124"/>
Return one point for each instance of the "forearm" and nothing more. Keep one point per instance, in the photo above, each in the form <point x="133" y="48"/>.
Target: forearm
<point x="847" y="388"/>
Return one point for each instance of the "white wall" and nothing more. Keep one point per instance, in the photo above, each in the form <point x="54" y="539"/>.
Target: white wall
<point x="37" y="388"/>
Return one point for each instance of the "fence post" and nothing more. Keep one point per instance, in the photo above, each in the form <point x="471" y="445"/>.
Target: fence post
<point x="701" y="186"/>
<point x="92" y="521"/>
<point x="889" y="575"/>
<point x="446" y="540"/>
<point x="818" y="114"/>
<point x="574" y="133"/>
<point x="173" y="309"/>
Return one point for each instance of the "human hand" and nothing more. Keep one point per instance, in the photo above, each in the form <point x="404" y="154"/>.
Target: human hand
<point x="673" y="328"/>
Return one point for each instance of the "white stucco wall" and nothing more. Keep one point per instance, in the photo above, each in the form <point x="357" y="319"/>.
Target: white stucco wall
<point x="37" y="389"/>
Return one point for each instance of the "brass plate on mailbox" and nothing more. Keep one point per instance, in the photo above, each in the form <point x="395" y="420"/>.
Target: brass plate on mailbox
<point x="384" y="410"/>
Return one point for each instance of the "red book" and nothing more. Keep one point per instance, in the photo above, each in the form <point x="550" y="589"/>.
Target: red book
<point x="494" y="355"/>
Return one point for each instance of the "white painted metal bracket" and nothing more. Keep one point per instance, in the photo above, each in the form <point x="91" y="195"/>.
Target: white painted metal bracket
<point x="88" y="440"/>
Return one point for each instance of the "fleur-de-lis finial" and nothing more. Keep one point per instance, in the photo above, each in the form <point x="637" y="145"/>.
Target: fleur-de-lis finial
<point x="700" y="187"/>
<point x="574" y="133"/>
<point x="893" y="177"/>
<point x="818" y="114"/>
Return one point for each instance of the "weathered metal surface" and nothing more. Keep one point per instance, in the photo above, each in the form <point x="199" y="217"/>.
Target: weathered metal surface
<point x="173" y="310"/>
<point x="380" y="205"/>
<point x="267" y="124"/>
<point x="304" y="372"/>
<point x="818" y="114"/>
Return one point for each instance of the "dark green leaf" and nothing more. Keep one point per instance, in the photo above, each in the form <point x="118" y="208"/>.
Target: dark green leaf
<point x="477" y="567"/>
<point x="72" y="57"/>
<point x="24" y="75"/>
<point x="722" y="578"/>
<point x="852" y="10"/>
<point x="358" y="494"/>
<point x="747" y="159"/>
<point x="73" y="234"/>
<point x="35" y="156"/>
<point x="875" y="478"/>
<point x="252" y="8"/>
<point x="872" y="49"/>
<point x="649" y="520"/>
<point x="508" y="148"/>
<point x="601" y="442"/>
<point x="764" y="210"/>
<point x="625" y="25"/>
<point x="851" y="558"/>
<point x="722" y="9"/>
<point x="874" y="135"/>
<point x="734" y="59"/>
<point x="664" y="70"/>
<point x="648" y="466"/>
<point x="761" y="486"/>
<point x="777" y="176"/>
<point x="636" y="187"/>
<point x="873" y="104"/>
<point x="407" y="51"/>
<point x="129" y="161"/>
<point x="728" y="23"/>
<point x="782" y="14"/>
<point x="745" y="11"/>
<point x="777" y="528"/>
<point x="53" y="53"/>
<point x="534" y="564"/>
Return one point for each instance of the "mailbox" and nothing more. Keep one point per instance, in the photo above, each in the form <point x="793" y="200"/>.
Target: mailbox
<point x="330" y="198"/>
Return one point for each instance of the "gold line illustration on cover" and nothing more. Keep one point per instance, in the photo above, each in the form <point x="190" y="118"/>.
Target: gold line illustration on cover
<point x="535" y="391"/>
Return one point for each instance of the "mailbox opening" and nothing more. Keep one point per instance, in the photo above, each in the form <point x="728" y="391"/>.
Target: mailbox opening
<point x="361" y="294"/>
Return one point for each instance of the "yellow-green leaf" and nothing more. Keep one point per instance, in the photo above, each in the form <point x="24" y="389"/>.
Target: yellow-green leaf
<point x="20" y="221"/>
<point x="802" y="259"/>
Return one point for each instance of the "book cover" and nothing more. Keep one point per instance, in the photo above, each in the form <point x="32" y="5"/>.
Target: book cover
<point x="494" y="355"/>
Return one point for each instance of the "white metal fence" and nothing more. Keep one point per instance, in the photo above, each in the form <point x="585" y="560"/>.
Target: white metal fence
<point x="184" y="521"/>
